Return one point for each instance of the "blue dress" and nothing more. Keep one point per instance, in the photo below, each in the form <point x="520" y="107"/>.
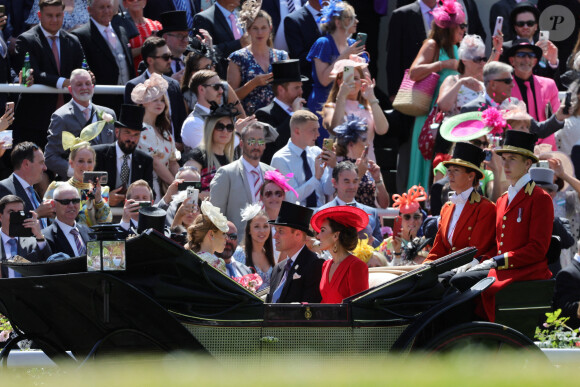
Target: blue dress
<point x="262" y="95"/>
<point x="419" y="168"/>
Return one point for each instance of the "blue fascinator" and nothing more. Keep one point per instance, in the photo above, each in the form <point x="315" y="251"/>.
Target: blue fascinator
<point x="351" y="130"/>
<point x="329" y="9"/>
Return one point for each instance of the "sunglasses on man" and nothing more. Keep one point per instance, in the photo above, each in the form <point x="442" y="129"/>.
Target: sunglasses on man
<point x="525" y="54"/>
<point x="529" y="23"/>
<point x="66" y="202"/>
<point x="216" y="86"/>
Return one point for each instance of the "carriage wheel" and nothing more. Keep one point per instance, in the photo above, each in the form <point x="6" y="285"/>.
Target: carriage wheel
<point x="483" y="336"/>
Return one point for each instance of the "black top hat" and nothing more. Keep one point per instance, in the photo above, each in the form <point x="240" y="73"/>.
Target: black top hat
<point x="468" y="156"/>
<point x="518" y="44"/>
<point x="521" y="8"/>
<point x="521" y="143"/>
<point x="151" y="217"/>
<point x="173" y="21"/>
<point x="287" y="71"/>
<point x="131" y="117"/>
<point x="294" y="216"/>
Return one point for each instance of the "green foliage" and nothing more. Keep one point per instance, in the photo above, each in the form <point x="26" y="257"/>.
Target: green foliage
<point x="556" y="333"/>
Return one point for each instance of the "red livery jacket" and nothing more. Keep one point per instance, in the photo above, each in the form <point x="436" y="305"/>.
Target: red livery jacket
<point x="475" y="228"/>
<point x="523" y="233"/>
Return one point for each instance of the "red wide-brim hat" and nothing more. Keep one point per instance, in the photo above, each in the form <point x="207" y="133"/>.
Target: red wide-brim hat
<point x="346" y="215"/>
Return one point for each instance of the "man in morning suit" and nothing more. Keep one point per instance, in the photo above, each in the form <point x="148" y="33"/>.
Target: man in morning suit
<point x="297" y="278"/>
<point x="468" y="218"/>
<point x="72" y="117"/>
<point x="221" y="22"/>
<point x="28" y="163"/>
<point x="312" y="167"/>
<point x="107" y="50"/>
<point x="157" y="56"/>
<point x="54" y="54"/>
<point x="287" y="87"/>
<point x="523" y="226"/>
<point x="122" y="160"/>
<point x="498" y="81"/>
<point x="176" y="33"/>
<point x="154" y="8"/>
<point x="345" y="180"/>
<point x="238" y="183"/>
<point x="301" y="32"/>
<point x="34" y="248"/>
<point x="65" y="235"/>
<point x="567" y="292"/>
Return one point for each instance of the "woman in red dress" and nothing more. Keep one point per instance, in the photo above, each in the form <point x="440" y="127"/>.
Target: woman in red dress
<point x="344" y="275"/>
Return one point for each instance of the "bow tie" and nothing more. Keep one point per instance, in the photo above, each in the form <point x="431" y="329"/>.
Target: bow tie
<point x="457" y="199"/>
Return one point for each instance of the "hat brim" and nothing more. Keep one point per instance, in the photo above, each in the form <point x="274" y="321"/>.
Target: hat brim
<point x="513" y="49"/>
<point x="119" y="124"/>
<point x="346" y="215"/>
<point x="553" y="187"/>
<point x="285" y="80"/>
<point x="299" y="227"/>
<point x="516" y="150"/>
<point x="465" y="164"/>
<point x="463" y="127"/>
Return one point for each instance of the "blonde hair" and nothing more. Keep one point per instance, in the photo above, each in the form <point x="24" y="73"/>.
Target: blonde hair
<point x="207" y="144"/>
<point x="330" y="26"/>
<point x="75" y="151"/>
<point x="198" y="230"/>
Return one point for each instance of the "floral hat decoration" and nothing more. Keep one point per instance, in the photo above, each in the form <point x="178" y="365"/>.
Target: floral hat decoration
<point x="516" y="112"/>
<point x="494" y="121"/>
<point x="280" y="180"/>
<point x="214" y="214"/>
<point x="150" y="90"/>
<point x="226" y="110"/>
<point x="200" y="49"/>
<point x="249" y="12"/>
<point x="351" y="130"/>
<point x="250" y="211"/>
<point x="330" y="8"/>
<point x="89" y="132"/>
<point x="408" y="203"/>
<point x="448" y="13"/>
<point x="363" y="250"/>
<point x="353" y="61"/>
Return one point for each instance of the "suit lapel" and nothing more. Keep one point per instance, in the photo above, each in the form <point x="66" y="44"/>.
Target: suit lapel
<point x="245" y="181"/>
<point x="298" y="263"/>
<point x="61" y="240"/>
<point x="219" y="18"/>
<point x="47" y="47"/>
<point x="100" y="41"/>
<point x="76" y="112"/>
<point x="517" y="199"/>
<point x="136" y="172"/>
<point x="19" y="189"/>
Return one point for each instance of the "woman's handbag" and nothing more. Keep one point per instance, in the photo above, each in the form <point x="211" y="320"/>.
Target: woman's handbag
<point x="414" y="98"/>
<point x="429" y="133"/>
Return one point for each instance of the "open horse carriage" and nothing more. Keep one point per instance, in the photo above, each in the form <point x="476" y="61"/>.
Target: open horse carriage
<point x="170" y="300"/>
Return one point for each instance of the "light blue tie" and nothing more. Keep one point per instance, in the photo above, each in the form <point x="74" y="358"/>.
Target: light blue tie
<point x="13" y="247"/>
<point x="35" y="204"/>
<point x="231" y="270"/>
<point x="278" y="292"/>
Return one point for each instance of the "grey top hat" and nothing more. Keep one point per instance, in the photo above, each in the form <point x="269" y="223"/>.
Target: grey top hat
<point x="543" y="177"/>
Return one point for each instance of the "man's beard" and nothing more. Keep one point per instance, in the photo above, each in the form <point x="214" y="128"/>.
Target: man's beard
<point x="83" y="97"/>
<point x="127" y="149"/>
<point x="228" y="251"/>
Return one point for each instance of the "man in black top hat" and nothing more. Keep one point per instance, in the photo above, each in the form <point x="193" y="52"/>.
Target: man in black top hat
<point x="287" y="86"/>
<point x="176" y="33"/>
<point x="297" y="278"/>
<point x="123" y="162"/>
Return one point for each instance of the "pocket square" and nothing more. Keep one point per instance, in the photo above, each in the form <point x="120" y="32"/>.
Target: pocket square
<point x="296" y="276"/>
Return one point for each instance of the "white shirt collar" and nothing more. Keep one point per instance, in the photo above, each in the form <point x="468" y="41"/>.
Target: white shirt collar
<point x="293" y="258"/>
<point x="6" y="238"/>
<point x="311" y="10"/>
<point x="295" y="148"/>
<point x="249" y="167"/>
<point x="65" y="227"/>
<point x="48" y="34"/>
<point x="22" y="182"/>
<point x="224" y="11"/>
<point x="120" y="153"/>
<point x="462" y="197"/>
<point x="81" y="107"/>
<point x="205" y="109"/>
<point x="283" y="105"/>
<point x="343" y="203"/>
<point x="101" y="27"/>
<point x="513" y="190"/>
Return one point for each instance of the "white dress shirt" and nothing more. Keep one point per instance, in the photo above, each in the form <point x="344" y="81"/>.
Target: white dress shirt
<point x="120" y="155"/>
<point x="513" y="190"/>
<point x="280" y="38"/>
<point x="425" y="9"/>
<point x="47" y="34"/>
<point x="65" y="228"/>
<point x="287" y="108"/>
<point x="248" y="168"/>
<point x="459" y="201"/>
<point x="192" y="128"/>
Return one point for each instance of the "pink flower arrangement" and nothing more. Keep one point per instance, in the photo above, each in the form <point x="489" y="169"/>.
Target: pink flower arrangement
<point x="250" y="281"/>
<point x="492" y="118"/>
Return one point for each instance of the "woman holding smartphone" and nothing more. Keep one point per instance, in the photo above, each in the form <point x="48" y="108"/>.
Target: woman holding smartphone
<point x="94" y="197"/>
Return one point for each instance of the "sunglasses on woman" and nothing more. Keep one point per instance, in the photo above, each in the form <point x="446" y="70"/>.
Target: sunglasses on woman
<point x="216" y="86"/>
<point x="479" y="59"/>
<point x="221" y="127"/>
<point x="66" y="202"/>
<point x="414" y="216"/>
<point x="268" y="194"/>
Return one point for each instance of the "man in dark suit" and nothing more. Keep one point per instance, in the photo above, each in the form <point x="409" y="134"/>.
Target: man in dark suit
<point x="567" y="292"/>
<point x="33" y="248"/>
<point x="28" y="162"/>
<point x="107" y="51"/>
<point x="176" y="33"/>
<point x="157" y="56"/>
<point x="287" y="86"/>
<point x="17" y="12"/>
<point x="297" y="278"/>
<point x="122" y="160"/>
<point x="503" y="8"/>
<point x="221" y="23"/>
<point x="54" y="54"/>
<point x="65" y="235"/>
<point x="154" y="8"/>
<point x="301" y="32"/>
<point x="72" y="117"/>
<point x="345" y="180"/>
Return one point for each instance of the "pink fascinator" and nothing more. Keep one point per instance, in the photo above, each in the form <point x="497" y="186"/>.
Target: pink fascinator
<point x="353" y="61"/>
<point x="449" y="13"/>
<point x="493" y="119"/>
<point x="280" y="180"/>
<point x="149" y="90"/>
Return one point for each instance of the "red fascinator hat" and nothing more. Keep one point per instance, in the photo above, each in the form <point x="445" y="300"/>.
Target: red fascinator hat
<point x="409" y="202"/>
<point x="346" y="215"/>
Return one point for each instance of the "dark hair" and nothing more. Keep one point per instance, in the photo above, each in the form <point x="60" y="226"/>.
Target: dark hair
<point x="23" y="151"/>
<point x="191" y="61"/>
<point x="444" y="39"/>
<point x="9" y="199"/>
<point x="50" y="3"/>
<point x="347" y="237"/>
<point x="249" y="244"/>
<point x="343" y="166"/>
<point x="461" y="67"/>
<point x="150" y="46"/>
<point x="162" y="121"/>
<point x="200" y="78"/>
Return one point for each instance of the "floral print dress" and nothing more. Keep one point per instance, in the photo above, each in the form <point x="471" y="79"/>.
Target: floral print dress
<point x="153" y="144"/>
<point x="214" y="261"/>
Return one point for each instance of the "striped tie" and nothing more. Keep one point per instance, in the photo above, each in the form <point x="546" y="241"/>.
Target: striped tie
<point x="256" y="186"/>
<point x="291" y="7"/>
<point x="78" y="242"/>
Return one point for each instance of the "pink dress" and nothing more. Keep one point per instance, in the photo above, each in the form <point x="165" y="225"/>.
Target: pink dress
<point x="354" y="107"/>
